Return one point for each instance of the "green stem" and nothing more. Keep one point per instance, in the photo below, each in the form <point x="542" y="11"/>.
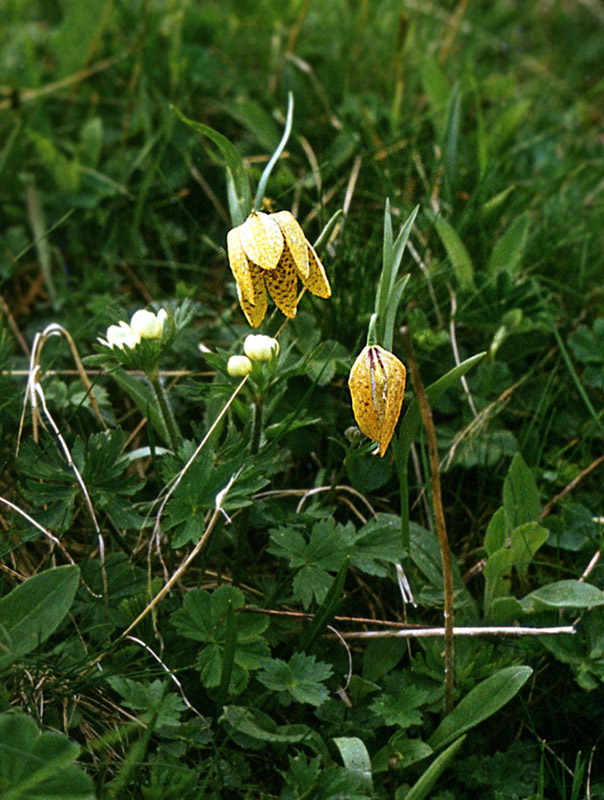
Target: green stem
<point x="166" y="411"/>
<point x="257" y="425"/>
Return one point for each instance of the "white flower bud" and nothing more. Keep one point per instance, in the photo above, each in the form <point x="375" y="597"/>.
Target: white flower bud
<point x="147" y="324"/>
<point x="238" y="366"/>
<point x="121" y="336"/>
<point x="260" y="348"/>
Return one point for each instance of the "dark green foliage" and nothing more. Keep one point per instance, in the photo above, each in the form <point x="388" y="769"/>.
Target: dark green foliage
<point x="117" y="120"/>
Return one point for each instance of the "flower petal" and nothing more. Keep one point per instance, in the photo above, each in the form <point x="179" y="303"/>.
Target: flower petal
<point x="377" y="385"/>
<point x="262" y="240"/>
<point x="282" y="284"/>
<point x="294" y="239"/>
<point x="239" y="263"/>
<point x="256" y="311"/>
<point x="317" y="281"/>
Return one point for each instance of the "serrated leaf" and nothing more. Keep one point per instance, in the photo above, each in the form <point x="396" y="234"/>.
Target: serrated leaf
<point x="301" y="678"/>
<point x="203" y="618"/>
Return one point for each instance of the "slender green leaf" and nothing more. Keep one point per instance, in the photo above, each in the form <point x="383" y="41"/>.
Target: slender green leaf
<point x="509" y="248"/>
<point x="274" y="158"/>
<point x="484" y="700"/>
<point x="240" y="195"/>
<point x="327" y="609"/>
<point x="144" y="399"/>
<point x="425" y="784"/>
<point x="457" y="253"/>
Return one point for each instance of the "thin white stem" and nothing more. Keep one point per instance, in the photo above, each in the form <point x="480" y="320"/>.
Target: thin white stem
<point x="424" y="633"/>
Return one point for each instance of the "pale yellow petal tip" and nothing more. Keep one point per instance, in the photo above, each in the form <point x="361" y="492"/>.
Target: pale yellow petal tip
<point x="377" y="386"/>
<point x="262" y="240"/>
<point x="317" y="281"/>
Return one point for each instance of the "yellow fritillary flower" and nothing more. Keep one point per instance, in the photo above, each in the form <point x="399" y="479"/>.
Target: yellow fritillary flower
<point x="377" y="386"/>
<point x="270" y="252"/>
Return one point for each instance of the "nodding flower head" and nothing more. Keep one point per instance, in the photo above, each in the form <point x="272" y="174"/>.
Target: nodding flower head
<point x="268" y="253"/>
<point x="377" y="386"/>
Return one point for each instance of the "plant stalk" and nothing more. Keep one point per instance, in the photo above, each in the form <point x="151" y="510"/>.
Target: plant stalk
<point x="441" y="527"/>
<point x="166" y="411"/>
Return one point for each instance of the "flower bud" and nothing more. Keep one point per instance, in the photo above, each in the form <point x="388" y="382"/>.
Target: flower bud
<point x="121" y="336"/>
<point x="147" y="324"/>
<point x="260" y="348"/>
<point x="239" y="366"/>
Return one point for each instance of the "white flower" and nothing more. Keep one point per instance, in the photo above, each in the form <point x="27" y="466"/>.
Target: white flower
<point x="148" y="325"/>
<point x="260" y="348"/>
<point x="121" y="336"/>
<point x="238" y="366"/>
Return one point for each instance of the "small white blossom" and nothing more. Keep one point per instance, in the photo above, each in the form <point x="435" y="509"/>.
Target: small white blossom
<point x="260" y="348"/>
<point x="121" y="336"/>
<point x="147" y="324"/>
<point x="238" y="366"/>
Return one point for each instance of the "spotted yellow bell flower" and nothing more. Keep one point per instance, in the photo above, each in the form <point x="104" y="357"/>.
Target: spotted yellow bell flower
<point x="268" y="253"/>
<point x="377" y="386"/>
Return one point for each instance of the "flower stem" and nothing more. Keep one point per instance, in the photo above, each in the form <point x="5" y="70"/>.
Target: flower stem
<point x="257" y="425"/>
<point x="166" y="411"/>
<point x="441" y="528"/>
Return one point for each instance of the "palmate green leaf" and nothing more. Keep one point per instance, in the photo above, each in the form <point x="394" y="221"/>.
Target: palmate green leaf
<point x="480" y="703"/>
<point x="400" y="707"/>
<point x="39" y="766"/>
<point x="150" y="700"/>
<point x="34" y="610"/>
<point x="203" y="618"/>
<point x="315" y="559"/>
<point x="300" y="679"/>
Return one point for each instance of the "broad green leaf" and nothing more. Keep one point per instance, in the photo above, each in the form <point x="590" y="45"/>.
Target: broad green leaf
<point x="509" y="248"/>
<point x="34" y="610"/>
<point x="356" y="759"/>
<point x="497" y="573"/>
<point x="520" y="494"/>
<point x="238" y="183"/>
<point x="381" y="656"/>
<point x="425" y="784"/>
<point x="39" y="766"/>
<point x="525" y="540"/>
<point x="456" y="250"/>
<point x="480" y="703"/>
<point x="497" y="532"/>
<point x="402" y="708"/>
<point x="563" y="594"/>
